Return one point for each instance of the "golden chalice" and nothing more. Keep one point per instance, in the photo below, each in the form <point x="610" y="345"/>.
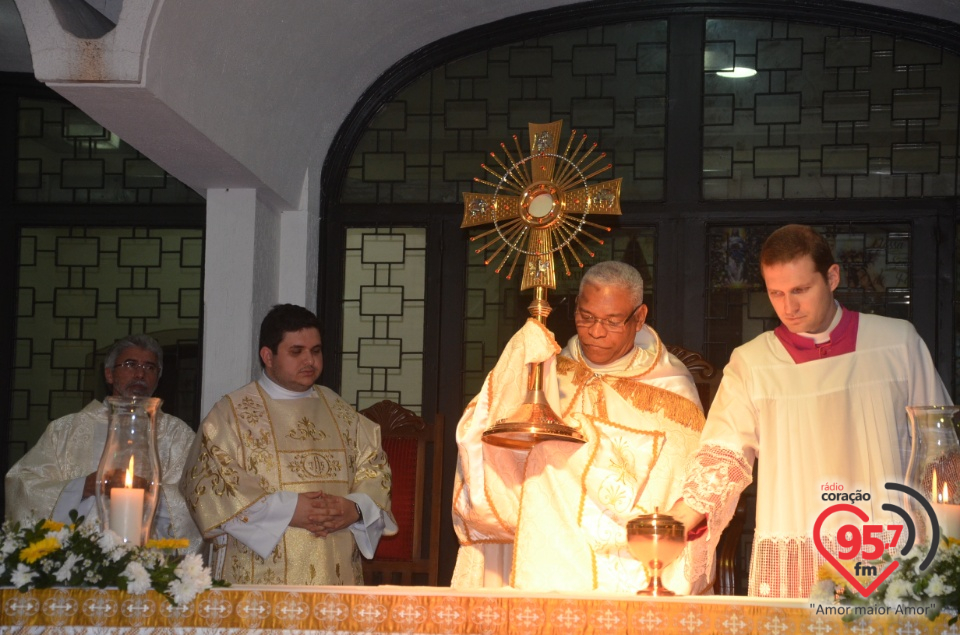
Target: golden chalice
<point x="655" y="540"/>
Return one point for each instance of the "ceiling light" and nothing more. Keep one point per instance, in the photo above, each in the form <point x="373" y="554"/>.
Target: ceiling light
<point x="738" y="71"/>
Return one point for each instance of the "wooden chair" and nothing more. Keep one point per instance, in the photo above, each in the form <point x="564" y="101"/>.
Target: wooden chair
<point x="729" y="574"/>
<point x="705" y="376"/>
<point x="415" y="451"/>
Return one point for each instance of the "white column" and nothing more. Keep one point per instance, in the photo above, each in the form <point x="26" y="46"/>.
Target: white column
<point x="299" y="250"/>
<point x="240" y="285"/>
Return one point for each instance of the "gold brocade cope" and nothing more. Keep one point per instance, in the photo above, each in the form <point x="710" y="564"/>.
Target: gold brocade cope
<point x="539" y="207"/>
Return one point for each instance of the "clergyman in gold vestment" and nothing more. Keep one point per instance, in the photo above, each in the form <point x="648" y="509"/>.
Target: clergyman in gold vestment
<point x="287" y="479"/>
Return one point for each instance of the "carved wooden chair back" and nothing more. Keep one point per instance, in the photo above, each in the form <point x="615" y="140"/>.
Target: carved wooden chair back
<point x="705" y="376"/>
<point x="414" y="449"/>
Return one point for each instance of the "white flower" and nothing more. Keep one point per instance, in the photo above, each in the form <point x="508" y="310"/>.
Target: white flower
<point x="139" y="578"/>
<point x="897" y="592"/>
<point x="113" y="545"/>
<point x="191" y="566"/>
<point x="108" y="541"/>
<point x="64" y="572"/>
<point x="22" y="576"/>
<point x="85" y="557"/>
<point x="9" y="545"/>
<point x="192" y="578"/>
<point x="119" y="551"/>
<point x="937" y="586"/>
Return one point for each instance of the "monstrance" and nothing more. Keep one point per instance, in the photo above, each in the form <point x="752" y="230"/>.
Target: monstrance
<point x="539" y="208"/>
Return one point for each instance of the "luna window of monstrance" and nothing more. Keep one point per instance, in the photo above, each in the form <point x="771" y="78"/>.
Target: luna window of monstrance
<point x="539" y="208"/>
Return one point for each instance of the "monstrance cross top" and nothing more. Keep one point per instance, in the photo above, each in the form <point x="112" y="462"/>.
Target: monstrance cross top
<point x="540" y="204"/>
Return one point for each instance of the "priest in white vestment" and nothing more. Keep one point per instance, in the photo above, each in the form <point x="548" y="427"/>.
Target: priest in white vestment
<point x="58" y="474"/>
<point x="289" y="481"/>
<point x="821" y="402"/>
<point x="553" y="518"/>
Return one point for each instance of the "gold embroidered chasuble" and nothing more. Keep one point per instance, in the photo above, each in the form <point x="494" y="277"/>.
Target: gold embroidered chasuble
<point x="554" y="517"/>
<point x="251" y="446"/>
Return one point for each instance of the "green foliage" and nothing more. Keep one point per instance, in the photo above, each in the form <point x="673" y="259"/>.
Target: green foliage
<point x="47" y="553"/>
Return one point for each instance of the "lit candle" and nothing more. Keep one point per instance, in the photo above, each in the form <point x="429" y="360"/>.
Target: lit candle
<point x="947" y="515"/>
<point x="126" y="509"/>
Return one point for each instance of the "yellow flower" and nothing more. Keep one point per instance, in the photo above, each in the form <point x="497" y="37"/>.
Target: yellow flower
<point x="168" y="543"/>
<point x="51" y="525"/>
<point x="827" y="572"/>
<point x="950" y="542"/>
<point x="37" y="550"/>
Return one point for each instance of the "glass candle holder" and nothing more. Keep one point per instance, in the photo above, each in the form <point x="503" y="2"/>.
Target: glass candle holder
<point x="128" y="476"/>
<point x="934" y="467"/>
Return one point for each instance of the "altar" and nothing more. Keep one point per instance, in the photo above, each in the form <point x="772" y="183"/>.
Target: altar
<point x="423" y="610"/>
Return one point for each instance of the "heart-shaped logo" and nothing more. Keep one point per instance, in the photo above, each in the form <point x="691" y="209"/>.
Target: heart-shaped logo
<point x="846" y="573"/>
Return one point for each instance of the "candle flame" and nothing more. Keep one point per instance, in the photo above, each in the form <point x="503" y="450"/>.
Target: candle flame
<point x="128" y="481"/>
<point x="946" y="494"/>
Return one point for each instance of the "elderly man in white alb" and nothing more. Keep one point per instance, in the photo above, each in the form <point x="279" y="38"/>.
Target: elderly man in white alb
<point x="822" y="399"/>
<point x="553" y="518"/>
<point x="59" y="473"/>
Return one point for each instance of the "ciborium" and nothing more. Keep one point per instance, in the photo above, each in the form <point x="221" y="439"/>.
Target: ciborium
<point x="655" y="540"/>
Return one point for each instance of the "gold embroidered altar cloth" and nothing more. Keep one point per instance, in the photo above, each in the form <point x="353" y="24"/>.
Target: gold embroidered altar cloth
<point x="255" y="610"/>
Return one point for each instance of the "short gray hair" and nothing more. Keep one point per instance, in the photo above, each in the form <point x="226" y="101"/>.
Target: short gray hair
<point x="612" y="273"/>
<point x="134" y="341"/>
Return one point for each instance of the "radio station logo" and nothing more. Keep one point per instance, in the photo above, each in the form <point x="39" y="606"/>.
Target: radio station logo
<point x="864" y="542"/>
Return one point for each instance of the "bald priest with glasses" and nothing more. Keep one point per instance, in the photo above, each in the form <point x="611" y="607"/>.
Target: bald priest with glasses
<point x="553" y="518"/>
<point x="58" y="474"/>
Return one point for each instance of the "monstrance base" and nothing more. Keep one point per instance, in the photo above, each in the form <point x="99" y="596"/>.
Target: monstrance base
<point x="532" y="423"/>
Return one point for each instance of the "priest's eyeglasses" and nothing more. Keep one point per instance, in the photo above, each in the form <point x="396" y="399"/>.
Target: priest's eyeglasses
<point x="131" y="364"/>
<point x="586" y="320"/>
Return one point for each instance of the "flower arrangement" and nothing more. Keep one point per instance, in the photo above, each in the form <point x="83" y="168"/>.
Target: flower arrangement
<point x="49" y="553"/>
<point x="907" y="590"/>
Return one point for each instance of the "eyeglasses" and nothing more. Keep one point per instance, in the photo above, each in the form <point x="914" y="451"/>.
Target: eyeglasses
<point x="131" y="364"/>
<point x="585" y="319"/>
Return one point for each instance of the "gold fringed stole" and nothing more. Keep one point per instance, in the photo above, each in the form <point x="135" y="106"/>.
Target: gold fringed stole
<point x="640" y="395"/>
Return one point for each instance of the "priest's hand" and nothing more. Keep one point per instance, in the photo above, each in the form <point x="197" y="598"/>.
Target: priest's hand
<point x="308" y="503"/>
<point x="333" y="514"/>
<point x="322" y="514"/>
<point x="690" y="517"/>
